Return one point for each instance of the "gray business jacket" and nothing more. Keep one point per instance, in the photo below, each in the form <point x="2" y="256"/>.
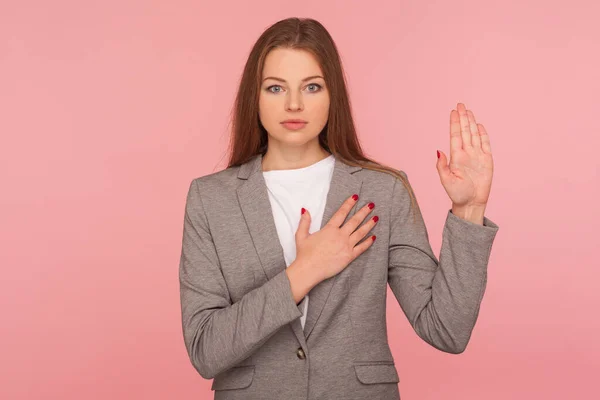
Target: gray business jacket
<point x="241" y="325"/>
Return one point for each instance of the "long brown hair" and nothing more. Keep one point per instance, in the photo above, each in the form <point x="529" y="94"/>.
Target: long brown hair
<point x="338" y="137"/>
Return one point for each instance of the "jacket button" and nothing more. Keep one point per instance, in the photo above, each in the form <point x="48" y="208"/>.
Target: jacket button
<point x="300" y="353"/>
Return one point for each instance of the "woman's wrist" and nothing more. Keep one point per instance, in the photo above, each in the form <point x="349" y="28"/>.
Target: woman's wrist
<point x="302" y="279"/>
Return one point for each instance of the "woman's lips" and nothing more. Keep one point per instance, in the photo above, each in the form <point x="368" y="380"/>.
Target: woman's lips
<point x="294" y="125"/>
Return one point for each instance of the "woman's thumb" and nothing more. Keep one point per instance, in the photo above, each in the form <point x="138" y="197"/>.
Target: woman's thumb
<point x="304" y="224"/>
<point x="442" y="166"/>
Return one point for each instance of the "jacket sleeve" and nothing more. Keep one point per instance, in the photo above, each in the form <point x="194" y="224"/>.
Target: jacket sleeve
<point x="217" y="333"/>
<point x="440" y="299"/>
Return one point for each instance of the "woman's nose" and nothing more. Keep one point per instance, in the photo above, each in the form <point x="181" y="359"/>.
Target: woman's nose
<point x="294" y="101"/>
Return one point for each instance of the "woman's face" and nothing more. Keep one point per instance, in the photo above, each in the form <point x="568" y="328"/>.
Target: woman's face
<point x="293" y="87"/>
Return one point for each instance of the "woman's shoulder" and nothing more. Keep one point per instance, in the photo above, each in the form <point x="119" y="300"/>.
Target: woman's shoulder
<point x="389" y="187"/>
<point x="216" y="183"/>
<point x="222" y="176"/>
<point x="382" y="178"/>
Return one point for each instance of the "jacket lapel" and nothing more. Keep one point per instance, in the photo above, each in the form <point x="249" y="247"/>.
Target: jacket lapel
<point x="255" y="205"/>
<point x="343" y="185"/>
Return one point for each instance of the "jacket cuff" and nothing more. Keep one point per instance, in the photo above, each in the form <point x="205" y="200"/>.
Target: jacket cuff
<point x="470" y="231"/>
<point x="281" y="288"/>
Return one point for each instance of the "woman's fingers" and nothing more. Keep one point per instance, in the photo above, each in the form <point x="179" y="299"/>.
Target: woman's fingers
<point x="465" y="130"/>
<point x="357" y="219"/>
<point x="475" y="138"/>
<point x="349" y="229"/>
<point x="362" y="247"/>
<point x="340" y="215"/>
<point x="485" y="139"/>
<point x="455" y="137"/>
<point x="361" y="232"/>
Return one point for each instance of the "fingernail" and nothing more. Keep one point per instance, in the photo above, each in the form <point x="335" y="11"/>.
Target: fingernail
<point x="373" y="237"/>
<point x="371" y="205"/>
<point x="303" y="210"/>
<point x="376" y="218"/>
<point x="355" y="197"/>
<point x="438" y="153"/>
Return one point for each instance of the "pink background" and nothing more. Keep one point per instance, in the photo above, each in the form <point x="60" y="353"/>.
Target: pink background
<point x="109" y="110"/>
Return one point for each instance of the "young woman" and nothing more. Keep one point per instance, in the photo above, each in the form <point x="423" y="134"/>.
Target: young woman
<point x="287" y="253"/>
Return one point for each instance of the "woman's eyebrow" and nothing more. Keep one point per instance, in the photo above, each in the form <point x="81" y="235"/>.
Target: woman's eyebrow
<point x="283" y="80"/>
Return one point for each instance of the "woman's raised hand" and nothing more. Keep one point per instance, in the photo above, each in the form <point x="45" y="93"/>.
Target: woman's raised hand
<point x="467" y="176"/>
<point x="329" y="250"/>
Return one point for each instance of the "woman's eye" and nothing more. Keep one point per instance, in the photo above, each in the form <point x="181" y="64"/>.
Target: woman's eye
<point x="319" y="87"/>
<point x="315" y="84"/>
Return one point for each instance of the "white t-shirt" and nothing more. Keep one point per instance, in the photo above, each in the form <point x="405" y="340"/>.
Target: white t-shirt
<point x="289" y="191"/>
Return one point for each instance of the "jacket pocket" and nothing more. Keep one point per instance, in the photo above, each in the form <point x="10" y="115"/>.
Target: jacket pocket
<point x="377" y="372"/>
<point x="234" y="378"/>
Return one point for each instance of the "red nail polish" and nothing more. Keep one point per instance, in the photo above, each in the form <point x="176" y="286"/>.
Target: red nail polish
<point x="355" y="197"/>
<point x="376" y="218"/>
<point x="373" y="237"/>
<point x="371" y="205"/>
<point x="303" y="210"/>
<point x="438" y="153"/>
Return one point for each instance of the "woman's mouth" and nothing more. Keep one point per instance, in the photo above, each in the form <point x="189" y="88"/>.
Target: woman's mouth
<point x="294" y="125"/>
